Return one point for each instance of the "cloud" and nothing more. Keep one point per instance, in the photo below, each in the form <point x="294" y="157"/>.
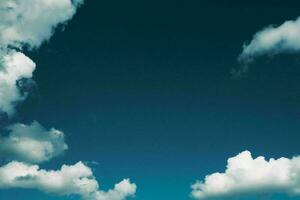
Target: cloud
<point x="246" y="175"/>
<point x="75" y="179"/>
<point x="273" y="40"/>
<point x="121" y="191"/>
<point x="32" y="143"/>
<point x="31" y="22"/>
<point x="26" y="23"/>
<point x="14" y="66"/>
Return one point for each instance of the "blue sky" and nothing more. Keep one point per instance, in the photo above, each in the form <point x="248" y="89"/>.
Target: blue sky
<point x="143" y="90"/>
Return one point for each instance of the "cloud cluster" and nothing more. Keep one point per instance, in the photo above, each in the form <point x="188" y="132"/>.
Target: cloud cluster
<point x="32" y="143"/>
<point x="75" y="179"/>
<point x="27" y="24"/>
<point x="246" y="175"/>
<point x="272" y="40"/>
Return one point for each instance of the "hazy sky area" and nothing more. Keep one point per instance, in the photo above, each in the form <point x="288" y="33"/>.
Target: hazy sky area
<point x="152" y="96"/>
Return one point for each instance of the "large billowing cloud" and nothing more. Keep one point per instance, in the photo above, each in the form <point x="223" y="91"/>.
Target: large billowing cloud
<point x="75" y="179"/>
<point x="25" y="23"/>
<point x="272" y="40"/>
<point x="32" y="144"/>
<point x="246" y="175"/>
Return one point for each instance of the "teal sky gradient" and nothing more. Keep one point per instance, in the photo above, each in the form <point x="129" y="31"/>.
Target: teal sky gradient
<point x="144" y="89"/>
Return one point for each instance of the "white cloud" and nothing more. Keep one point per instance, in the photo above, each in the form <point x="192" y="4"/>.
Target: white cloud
<point x="75" y="179"/>
<point x="32" y="143"/>
<point x="245" y="175"/>
<point x="13" y="67"/>
<point x="30" y="22"/>
<point x="26" y="23"/>
<point x="121" y="191"/>
<point x="284" y="38"/>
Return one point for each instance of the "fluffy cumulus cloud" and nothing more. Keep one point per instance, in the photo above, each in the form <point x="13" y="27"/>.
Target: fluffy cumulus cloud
<point x="14" y="66"/>
<point x="32" y="143"/>
<point x="121" y="191"/>
<point x="30" y="22"/>
<point x="272" y="40"/>
<point x="246" y="175"/>
<point x="75" y="179"/>
<point x="26" y="23"/>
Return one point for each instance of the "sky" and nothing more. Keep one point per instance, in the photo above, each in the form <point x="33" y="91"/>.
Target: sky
<point x="154" y="96"/>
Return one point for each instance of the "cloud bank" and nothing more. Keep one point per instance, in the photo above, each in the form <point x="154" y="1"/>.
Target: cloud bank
<point x="32" y="143"/>
<point x="273" y="40"/>
<point x="27" y="24"/>
<point x="245" y="175"/>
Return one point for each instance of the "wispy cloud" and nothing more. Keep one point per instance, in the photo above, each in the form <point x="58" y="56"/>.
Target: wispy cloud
<point x="271" y="40"/>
